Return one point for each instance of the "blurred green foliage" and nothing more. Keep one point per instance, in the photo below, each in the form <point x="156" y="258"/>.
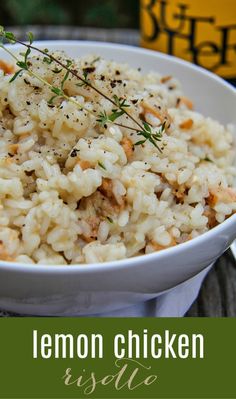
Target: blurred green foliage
<point x="103" y="13"/>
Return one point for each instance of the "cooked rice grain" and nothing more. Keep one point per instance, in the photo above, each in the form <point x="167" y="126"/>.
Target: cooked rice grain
<point x="74" y="192"/>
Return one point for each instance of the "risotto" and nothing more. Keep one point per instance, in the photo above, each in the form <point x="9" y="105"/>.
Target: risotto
<point x="74" y="191"/>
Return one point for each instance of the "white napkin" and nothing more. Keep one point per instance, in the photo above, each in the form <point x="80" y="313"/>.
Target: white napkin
<point x="173" y="303"/>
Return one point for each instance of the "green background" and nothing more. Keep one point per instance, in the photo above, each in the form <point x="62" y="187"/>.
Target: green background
<point x="24" y="377"/>
<point x="102" y="13"/>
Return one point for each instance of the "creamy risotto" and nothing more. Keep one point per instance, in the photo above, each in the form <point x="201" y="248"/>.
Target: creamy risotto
<point x="73" y="191"/>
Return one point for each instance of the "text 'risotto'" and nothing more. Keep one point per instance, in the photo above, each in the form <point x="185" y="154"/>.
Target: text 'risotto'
<point x="73" y="191"/>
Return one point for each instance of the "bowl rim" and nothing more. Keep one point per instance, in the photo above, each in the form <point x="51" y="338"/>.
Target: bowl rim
<point x="133" y="49"/>
<point x="136" y="260"/>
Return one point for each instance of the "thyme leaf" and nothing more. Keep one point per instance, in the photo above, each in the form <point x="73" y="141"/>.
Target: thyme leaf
<point x="30" y="37"/>
<point x="207" y="159"/>
<point x="115" y="114"/>
<point x="47" y="60"/>
<point x="95" y="60"/>
<point x="22" y="64"/>
<point x="85" y="80"/>
<point x="15" y="75"/>
<point x="57" y="91"/>
<point x="101" y="165"/>
<point x="120" y="102"/>
<point x="148" y="135"/>
<point x="56" y="70"/>
<point x="10" y="37"/>
<point x="103" y="118"/>
<point x="50" y="101"/>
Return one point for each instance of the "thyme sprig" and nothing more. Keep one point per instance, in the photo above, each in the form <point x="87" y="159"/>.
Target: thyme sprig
<point x="12" y="39"/>
<point x="85" y="81"/>
<point x="58" y="91"/>
<point x="120" y="104"/>
<point x="151" y="136"/>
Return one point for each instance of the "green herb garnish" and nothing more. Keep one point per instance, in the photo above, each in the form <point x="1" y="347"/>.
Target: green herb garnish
<point x="207" y="159"/>
<point x="101" y="165"/>
<point x="151" y="136"/>
<point x="120" y="104"/>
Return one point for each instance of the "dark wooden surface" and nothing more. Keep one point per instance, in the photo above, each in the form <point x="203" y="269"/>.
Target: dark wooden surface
<point x="217" y="297"/>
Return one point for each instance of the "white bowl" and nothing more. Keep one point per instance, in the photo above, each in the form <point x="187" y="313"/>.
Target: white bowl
<point x="89" y="289"/>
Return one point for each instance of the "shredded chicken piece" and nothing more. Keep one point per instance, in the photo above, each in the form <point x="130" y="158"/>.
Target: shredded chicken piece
<point x="219" y="194"/>
<point x="187" y="124"/>
<point x="159" y="247"/>
<point x="157" y="112"/>
<point x="7" y="68"/>
<point x="24" y="136"/>
<point x="211" y="215"/>
<point x="105" y="207"/>
<point x="106" y="188"/>
<point x="87" y="239"/>
<point x="84" y="164"/>
<point x="3" y="253"/>
<point x="179" y="191"/>
<point x="202" y="140"/>
<point x="128" y="147"/>
<point x="165" y="79"/>
<point x="93" y="222"/>
<point x="10" y="160"/>
<point x="184" y="101"/>
<point x="13" y="148"/>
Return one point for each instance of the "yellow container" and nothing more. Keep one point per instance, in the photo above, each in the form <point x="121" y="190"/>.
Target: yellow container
<point x="200" y="31"/>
